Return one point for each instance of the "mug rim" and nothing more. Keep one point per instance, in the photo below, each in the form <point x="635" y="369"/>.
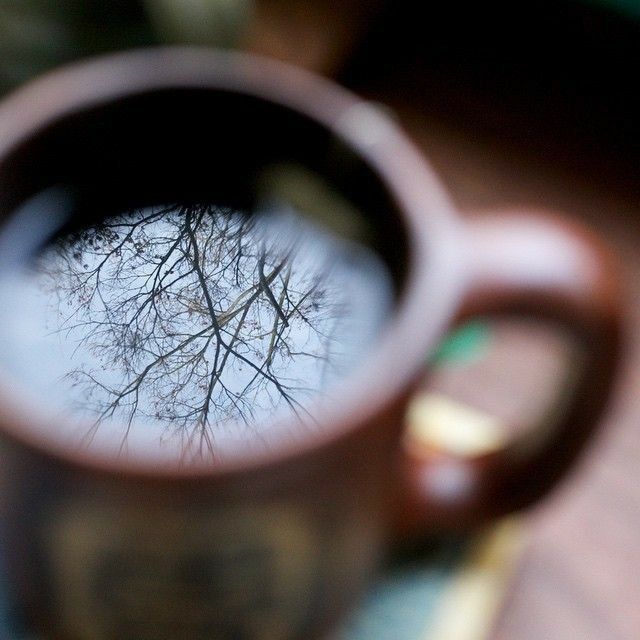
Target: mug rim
<point x="433" y="285"/>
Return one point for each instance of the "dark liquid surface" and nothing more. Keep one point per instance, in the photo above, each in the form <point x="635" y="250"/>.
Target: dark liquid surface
<point x="171" y="330"/>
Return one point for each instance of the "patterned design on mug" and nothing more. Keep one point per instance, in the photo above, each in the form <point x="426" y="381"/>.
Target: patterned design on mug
<point x="151" y="574"/>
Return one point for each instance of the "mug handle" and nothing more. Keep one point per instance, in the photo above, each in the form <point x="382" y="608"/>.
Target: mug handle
<point x="535" y="265"/>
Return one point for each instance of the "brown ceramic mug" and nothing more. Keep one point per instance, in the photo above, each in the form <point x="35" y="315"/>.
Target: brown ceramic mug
<point x="273" y="542"/>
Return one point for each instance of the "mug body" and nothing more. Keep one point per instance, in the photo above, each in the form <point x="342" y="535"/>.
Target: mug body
<point x="281" y="551"/>
<point x="261" y="542"/>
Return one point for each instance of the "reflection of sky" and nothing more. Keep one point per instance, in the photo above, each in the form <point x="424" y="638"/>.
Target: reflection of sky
<point x="343" y="293"/>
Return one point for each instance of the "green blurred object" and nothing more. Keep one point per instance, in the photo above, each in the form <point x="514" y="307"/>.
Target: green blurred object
<point x="628" y="7"/>
<point x="204" y="22"/>
<point x="37" y="35"/>
<point x="467" y="343"/>
<point x="452" y="591"/>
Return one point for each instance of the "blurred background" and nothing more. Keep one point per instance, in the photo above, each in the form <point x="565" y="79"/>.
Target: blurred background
<point x="515" y="104"/>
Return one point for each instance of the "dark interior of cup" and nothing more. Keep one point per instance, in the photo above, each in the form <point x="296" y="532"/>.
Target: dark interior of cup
<point x="125" y="359"/>
<point x="192" y="145"/>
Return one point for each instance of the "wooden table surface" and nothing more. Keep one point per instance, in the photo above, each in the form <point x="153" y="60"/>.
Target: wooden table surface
<point x="580" y="577"/>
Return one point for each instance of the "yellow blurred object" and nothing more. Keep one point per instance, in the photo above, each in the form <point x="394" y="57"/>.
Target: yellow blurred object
<point x="436" y="422"/>
<point x="472" y="601"/>
<point x="312" y="197"/>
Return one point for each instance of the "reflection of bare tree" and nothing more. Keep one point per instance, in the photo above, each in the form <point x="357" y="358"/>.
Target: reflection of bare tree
<point x="192" y="316"/>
